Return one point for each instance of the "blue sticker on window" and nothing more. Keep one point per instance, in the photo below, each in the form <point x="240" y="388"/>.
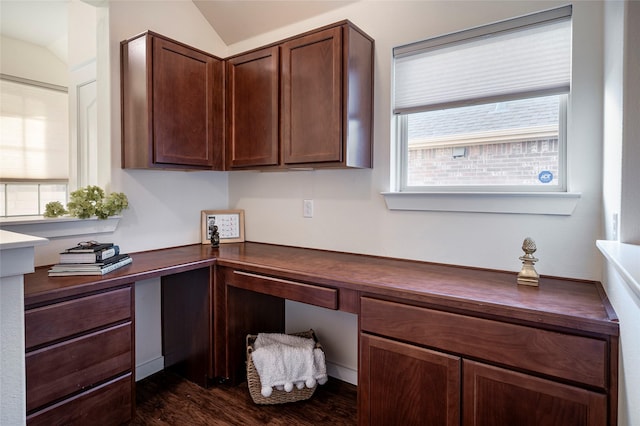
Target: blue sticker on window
<point x="545" y="176"/>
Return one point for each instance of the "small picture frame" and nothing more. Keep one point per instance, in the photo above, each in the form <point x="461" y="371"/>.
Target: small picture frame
<point x="230" y="225"/>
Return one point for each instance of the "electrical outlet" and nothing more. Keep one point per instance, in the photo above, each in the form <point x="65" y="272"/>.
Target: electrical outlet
<point x="307" y="208"/>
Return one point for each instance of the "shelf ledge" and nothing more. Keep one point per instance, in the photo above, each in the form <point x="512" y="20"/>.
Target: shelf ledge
<point x="59" y="227"/>
<point x="626" y="260"/>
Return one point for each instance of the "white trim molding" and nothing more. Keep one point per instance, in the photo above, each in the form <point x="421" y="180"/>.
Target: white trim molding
<point x="544" y="203"/>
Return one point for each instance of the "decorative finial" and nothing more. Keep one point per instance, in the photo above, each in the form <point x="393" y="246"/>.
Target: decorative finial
<point x="528" y="274"/>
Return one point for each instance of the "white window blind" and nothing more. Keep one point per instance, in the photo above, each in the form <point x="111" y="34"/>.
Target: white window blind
<point x="34" y="124"/>
<point x="523" y="57"/>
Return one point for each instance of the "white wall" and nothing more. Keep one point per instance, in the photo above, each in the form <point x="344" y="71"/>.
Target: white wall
<point x="350" y="213"/>
<point x="27" y="60"/>
<point x="82" y="33"/>
<point x="621" y="38"/>
<point x="627" y="305"/>
<point x="612" y="112"/>
<point x="630" y="191"/>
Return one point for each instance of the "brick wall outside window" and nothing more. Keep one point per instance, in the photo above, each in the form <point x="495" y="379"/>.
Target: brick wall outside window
<point x="520" y="162"/>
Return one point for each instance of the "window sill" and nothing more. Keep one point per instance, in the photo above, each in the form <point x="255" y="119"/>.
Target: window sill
<point x="60" y="226"/>
<point x="544" y="203"/>
<point x="624" y="257"/>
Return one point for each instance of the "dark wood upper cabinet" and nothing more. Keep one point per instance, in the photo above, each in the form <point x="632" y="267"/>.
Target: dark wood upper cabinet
<point x="304" y="102"/>
<point x="172" y="112"/>
<point x="253" y="87"/>
<point x="312" y="98"/>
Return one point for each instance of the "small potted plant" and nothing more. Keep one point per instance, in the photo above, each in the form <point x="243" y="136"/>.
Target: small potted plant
<point x="87" y="202"/>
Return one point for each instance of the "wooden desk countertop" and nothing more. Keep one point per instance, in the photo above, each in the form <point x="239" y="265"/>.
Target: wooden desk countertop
<point x="557" y="302"/>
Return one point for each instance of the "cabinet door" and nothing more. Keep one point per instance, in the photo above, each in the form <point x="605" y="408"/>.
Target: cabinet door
<point x="186" y="106"/>
<point x="494" y="397"/>
<point x="401" y="384"/>
<point x="312" y="98"/>
<point x="253" y="98"/>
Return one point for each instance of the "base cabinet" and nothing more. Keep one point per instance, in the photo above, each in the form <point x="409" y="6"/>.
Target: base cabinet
<point x="424" y="366"/>
<point x="408" y="385"/>
<point x="80" y="360"/>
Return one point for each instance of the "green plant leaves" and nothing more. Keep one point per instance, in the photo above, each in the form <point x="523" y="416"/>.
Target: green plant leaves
<point x="90" y="201"/>
<point x="54" y="209"/>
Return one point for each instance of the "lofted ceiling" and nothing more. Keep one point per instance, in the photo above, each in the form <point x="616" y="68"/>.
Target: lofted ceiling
<point x="39" y="22"/>
<point x="44" y="22"/>
<point x="238" y="20"/>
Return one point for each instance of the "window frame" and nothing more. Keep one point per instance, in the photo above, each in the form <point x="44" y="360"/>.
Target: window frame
<point x="531" y="202"/>
<point x="400" y="157"/>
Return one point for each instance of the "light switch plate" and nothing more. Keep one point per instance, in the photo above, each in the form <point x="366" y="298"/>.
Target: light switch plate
<point x="307" y="208"/>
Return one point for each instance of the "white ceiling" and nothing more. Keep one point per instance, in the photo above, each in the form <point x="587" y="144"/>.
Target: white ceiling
<point x="44" y="22"/>
<point x="237" y="20"/>
<point x="37" y="21"/>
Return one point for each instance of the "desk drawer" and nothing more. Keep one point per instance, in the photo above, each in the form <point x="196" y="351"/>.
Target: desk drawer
<point x="108" y="404"/>
<point x="65" y="368"/>
<point x="54" y="322"/>
<point x="292" y="290"/>
<point x="566" y="356"/>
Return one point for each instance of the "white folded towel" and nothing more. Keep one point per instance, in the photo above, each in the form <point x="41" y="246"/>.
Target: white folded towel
<point x="284" y="361"/>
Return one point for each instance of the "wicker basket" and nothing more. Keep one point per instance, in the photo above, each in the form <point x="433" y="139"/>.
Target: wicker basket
<point x="277" y="396"/>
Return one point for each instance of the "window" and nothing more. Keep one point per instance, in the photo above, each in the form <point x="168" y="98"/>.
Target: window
<point x="485" y="109"/>
<point x="34" y="146"/>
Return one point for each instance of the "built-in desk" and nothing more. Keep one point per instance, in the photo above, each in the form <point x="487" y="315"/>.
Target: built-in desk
<point x="485" y="347"/>
<point x="80" y="336"/>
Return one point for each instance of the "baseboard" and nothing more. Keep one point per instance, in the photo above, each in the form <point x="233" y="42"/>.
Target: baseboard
<point x="148" y="368"/>
<point x="340" y="372"/>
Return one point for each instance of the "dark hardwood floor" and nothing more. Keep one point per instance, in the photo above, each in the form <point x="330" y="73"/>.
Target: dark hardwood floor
<point x="167" y="399"/>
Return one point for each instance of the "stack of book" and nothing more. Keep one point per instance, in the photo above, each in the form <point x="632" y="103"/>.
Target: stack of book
<point x="92" y="258"/>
